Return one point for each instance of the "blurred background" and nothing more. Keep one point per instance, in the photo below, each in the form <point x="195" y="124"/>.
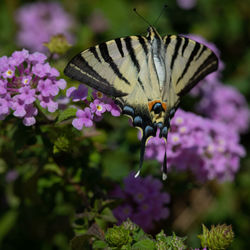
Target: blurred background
<point x="38" y="206"/>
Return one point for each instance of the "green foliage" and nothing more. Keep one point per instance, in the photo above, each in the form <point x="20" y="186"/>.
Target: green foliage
<point x="170" y="242"/>
<point x="130" y="236"/>
<point x="66" y="114"/>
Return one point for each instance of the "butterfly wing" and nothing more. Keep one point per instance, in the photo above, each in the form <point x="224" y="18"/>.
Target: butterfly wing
<point x="187" y="62"/>
<point x="107" y="67"/>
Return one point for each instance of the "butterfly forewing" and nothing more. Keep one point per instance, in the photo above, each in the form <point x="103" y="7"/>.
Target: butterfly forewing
<point x="187" y="62"/>
<point x="111" y="67"/>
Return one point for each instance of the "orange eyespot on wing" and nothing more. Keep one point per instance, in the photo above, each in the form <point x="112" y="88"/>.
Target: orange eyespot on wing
<point x="152" y="103"/>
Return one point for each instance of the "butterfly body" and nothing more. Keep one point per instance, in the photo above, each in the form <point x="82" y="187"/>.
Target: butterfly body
<point x="147" y="76"/>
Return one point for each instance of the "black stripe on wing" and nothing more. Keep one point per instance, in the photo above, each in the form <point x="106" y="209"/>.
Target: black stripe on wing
<point x="143" y="44"/>
<point x="119" y="46"/>
<point x="186" y="42"/>
<point x="131" y="52"/>
<point x="167" y="41"/>
<point x="94" y="52"/>
<point x="108" y="59"/>
<point x="79" y="69"/>
<point x="208" y="66"/>
<point x="190" y="59"/>
<point x="141" y="84"/>
<point x="176" y="51"/>
<point x="204" y="48"/>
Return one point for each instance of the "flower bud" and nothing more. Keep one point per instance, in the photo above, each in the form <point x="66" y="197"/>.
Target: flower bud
<point x="118" y="236"/>
<point x="58" y="44"/>
<point x="219" y="237"/>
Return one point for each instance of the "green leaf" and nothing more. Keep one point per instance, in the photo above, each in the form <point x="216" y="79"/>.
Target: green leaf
<point x="7" y="221"/>
<point x="108" y="216"/>
<point x="53" y="168"/>
<point x="99" y="244"/>
<point x="66" y="114"/>
<point x="139" y="235"/>
<point x="146" y="244"/>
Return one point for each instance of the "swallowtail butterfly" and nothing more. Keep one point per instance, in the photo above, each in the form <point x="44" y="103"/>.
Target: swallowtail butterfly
<point x="147" y="76"/>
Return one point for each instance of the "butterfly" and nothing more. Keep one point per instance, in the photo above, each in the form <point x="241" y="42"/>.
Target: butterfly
<point x="147" y="76"/>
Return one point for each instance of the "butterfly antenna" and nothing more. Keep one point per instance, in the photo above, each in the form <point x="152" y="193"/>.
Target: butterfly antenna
<point x="157" y="19"/>
<point x="141" y="17"/>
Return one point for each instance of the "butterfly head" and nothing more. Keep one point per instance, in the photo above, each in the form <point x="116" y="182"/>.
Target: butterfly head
<point x="152" y="34"/>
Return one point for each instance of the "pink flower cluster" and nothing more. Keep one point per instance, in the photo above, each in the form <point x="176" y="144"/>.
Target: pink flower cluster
<point x="24" y="79"/>
<point x="224" y="103"/>
<point x="94" y="110"/>
<point x="142" y="201"/>
<point x="208" y="148"/>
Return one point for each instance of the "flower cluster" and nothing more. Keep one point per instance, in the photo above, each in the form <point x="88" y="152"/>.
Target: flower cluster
<point x="25" y="78"/>
<point x="143" y="201"/>
<point x="224" y="103"/>
<point x="94" y="110"/>
<point x="206" y="147"/>
<point x="39" y="21"/>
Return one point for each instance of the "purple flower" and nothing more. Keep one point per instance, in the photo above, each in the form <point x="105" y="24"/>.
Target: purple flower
<point x="113" y="108"/>
<point x="186" y="4"/>
<point x="47" y="103"/>
<point x="77" y="94"/>
<point x="100" y="96"/>
<point x="84" y="118"/>
<point x="97" y="107"/>
<point x="142" y="201"/>
<point x="11" y="176"/>
<point x="27" y="95"/>
<point x="31" y="79"/>
<point x="210" y="149"/>
<point x="39" y="21"/>
<point x="4" y="108"/>
<point x="224" y="103"/>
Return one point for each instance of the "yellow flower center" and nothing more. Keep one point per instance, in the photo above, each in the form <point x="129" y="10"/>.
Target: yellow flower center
<point x="175" y="138"/>
<point x="179" y="120"/>
<point x="25" y="81"/>
<point x="210" y="148"/>
<point x="183" y="129"/>
<point x="99" y="107"/>
<point x="9" y="72"/>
